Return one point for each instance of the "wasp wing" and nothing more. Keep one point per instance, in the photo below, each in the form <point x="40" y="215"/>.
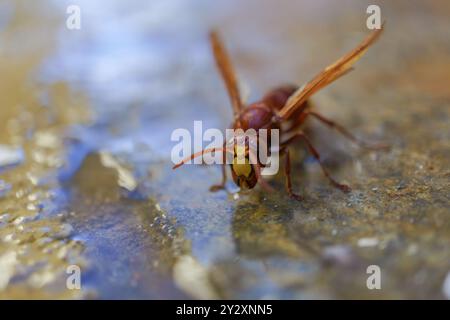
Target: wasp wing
<point x="226" y="70"/>
<point x="328" y="75"/>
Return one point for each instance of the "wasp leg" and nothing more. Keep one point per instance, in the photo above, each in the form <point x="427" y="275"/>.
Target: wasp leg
<point x="316" y="155"/>
<point x="221" y="186"/>
<point x="287" y="172"/>
<point x="257" y="167"/>
<point x="346" y="133"/>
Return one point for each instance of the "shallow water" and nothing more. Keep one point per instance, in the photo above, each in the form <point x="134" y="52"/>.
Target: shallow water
<point x="85" y="171"/>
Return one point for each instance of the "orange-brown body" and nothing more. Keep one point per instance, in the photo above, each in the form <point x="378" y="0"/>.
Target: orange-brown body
<point x="285" y="108"/>
<point x="262" y="115"/>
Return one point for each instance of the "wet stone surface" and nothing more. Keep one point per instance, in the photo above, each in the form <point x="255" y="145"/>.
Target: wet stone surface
<point x="85" y="170"/>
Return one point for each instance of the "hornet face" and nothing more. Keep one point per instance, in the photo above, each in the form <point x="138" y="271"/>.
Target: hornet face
<point x="243" y="172"/>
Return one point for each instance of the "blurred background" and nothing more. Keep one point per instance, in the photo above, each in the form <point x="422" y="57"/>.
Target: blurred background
<point x="85" y="170"/>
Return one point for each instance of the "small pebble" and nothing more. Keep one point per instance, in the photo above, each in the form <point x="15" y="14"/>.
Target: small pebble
<point x="401" y="185"/>
<point x="367" y="242"/>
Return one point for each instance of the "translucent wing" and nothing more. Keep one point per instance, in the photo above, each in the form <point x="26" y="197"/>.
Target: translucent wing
<point x="226" y="70"/>
<point x="328" y="75"/>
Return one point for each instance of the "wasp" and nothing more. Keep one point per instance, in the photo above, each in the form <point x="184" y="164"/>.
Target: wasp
<point x="285" y="108"/>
